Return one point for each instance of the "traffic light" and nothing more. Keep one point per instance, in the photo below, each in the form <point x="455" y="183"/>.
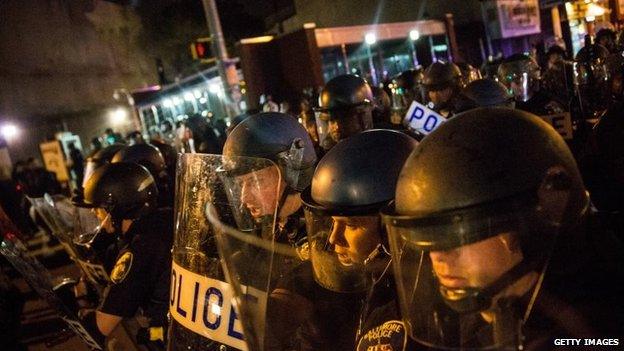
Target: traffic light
<point x="201" y="50"/>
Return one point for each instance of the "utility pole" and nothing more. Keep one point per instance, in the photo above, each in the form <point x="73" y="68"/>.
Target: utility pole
<point x="227" y="68"/>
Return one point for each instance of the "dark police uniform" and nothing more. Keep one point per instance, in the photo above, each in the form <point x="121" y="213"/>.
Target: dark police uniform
<point x="320" y="319"/>
<point x="141" y="275"/>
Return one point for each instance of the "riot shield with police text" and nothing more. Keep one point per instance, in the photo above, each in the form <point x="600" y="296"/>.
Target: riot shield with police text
<point x="40" y="280"/>
<point x="242" y="192"/>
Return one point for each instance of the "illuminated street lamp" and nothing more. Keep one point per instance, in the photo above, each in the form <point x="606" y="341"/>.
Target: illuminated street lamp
<point x="414" y="35"/>
<point x="9" y="131"/>
<point x="370" y="39"/>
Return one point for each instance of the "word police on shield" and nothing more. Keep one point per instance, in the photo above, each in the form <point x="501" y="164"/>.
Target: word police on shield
<point x="422" y="119"/>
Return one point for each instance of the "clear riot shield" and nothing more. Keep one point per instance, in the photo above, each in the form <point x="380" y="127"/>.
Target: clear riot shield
<point x="75" y="228"/>
<point x="242" y="192"/>
<point x="90" y="240"/>
<point x="40" y="280"/>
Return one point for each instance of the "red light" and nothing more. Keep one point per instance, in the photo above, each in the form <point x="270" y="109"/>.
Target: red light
<point x="201" y="50"/>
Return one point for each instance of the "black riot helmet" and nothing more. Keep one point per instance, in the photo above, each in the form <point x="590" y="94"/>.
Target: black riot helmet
<point x="146" y="155"/>
<point x="441" y="75"/>
<point x="521" y="75"/>
<point x="345" y="108"/>
<point x="100" y="158"/>
<point x="592" y="77"/>
<point x="485" y="93"/>
<point x="125" y="190"/>
<point x="496" y="180"/>
<point x="169" y="153"/>
<point x="279" y="138"/>
<point x="351" y="182"/>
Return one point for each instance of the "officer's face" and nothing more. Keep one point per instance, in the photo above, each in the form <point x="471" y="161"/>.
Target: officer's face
<point x="259" y="191"/>
<point x="343" y="124"/>
<point x="440" y="96"/>
<point x="354" y="238"/>
<point x="476" y="265"/>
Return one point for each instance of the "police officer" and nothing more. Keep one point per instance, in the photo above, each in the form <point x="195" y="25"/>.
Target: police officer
<point x="441" y="84"/>
<point x="607" y="38"/>
<point x="485" y="93"/>
<point x="488" y="240"/>
<point x="126" y="194"/>
<point x="345" y="108"/>
<point x="592" y="80"/>
<point x="521" y="75"/>
<point x="149" y="156"/>
<point x="280" y="138"/>
<point x="348" y="246"/>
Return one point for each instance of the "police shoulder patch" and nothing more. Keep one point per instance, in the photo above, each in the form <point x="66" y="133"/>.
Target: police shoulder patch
<point x="122" y="267"/>
<point x="390" y="335"/>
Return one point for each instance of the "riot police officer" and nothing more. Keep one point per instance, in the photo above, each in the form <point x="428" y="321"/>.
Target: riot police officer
<point x="126" y="194"/>
<point x="485" y="93"/>
<point x="521" y="75"/>
<point x="345" y="109"/>
<point x="280" y="138"/>
<point x="468" y="73"/>
<point x="494" y="256"/>
<point x="317" y="306"/>
<point x="441" y="84"/>
<point x="592" y="80"/>
<point x="149" y="156"/>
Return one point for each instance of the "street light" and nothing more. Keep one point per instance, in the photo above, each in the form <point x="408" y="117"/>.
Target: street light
<point x="9" y="131"/>
<point x="414" y="35"/>
<point x="371" y="39"/>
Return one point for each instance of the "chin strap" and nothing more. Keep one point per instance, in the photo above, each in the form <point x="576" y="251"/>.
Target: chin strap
<point x="465" y="300"/>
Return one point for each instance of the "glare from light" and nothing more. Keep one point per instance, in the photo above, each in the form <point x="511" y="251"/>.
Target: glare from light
<point x="188" y="96"/>
<point x="215" y="309"/>
<point x="214" y="88"/>
<point x="257" y="40"/>
<point x="204" y="113"/>
<point x="370" y="38"/>
<point x="594" y="10"/>
<point x="9" y="131"/>
<point x="197" y="93"/>
<point x="590" y="18"/>
<point x="118" y="116"/>
<point x="177" y="100"/>
<point x="414" y="34"/>
<point x="167" y="103"/>
<point x="202" y="100"/>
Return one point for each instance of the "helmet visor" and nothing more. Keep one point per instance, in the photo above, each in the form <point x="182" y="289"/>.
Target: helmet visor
<point x="464" y="279"/>
<point x="519" y="84"/>
<point x="339" y="248"/>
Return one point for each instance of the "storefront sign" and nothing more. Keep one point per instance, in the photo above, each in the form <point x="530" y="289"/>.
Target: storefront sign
<point x="511" y="18"/>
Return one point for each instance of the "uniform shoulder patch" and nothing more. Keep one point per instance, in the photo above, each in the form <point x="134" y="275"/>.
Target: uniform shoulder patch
<point x="390" y="335"/>
<point x="122" y="267"/>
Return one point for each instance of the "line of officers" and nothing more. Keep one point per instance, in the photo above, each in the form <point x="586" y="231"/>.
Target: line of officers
<point x="481" y="235"/>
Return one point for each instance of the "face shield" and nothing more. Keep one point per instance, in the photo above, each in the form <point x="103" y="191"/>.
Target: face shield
<point x="592" y="80"/>
<point x="340" y="123"/>
<point x="90" y="167"/>
<point x="519" y="84"/>
<point x="467" y="279"/>
<point x="341" y="248"/>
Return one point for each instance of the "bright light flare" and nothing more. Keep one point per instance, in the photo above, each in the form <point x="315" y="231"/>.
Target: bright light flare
<point x="370" y="38"/>
<point x="9" y="131"/>
<point x="119" y="115"/>
<point x="414" y="34"/>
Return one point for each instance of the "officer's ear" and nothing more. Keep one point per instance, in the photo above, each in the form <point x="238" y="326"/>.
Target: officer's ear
<point x="554" y="194"/>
